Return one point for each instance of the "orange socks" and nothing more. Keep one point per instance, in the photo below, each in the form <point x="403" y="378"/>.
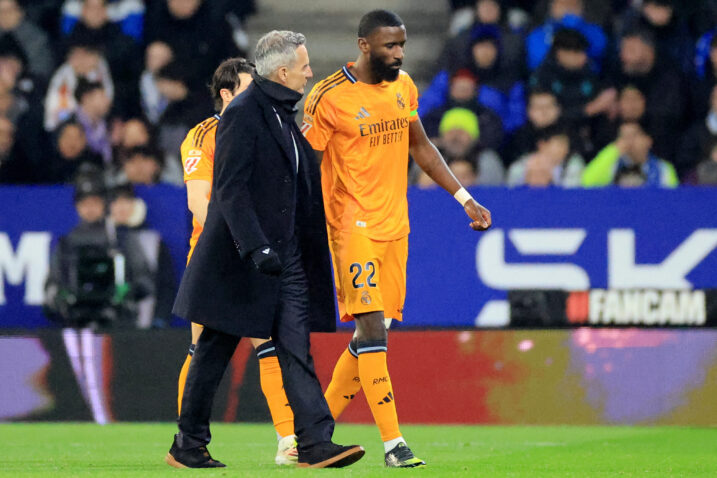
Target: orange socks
<point x="272" y="385"/>
<point x="345" y="382"/>
<point x="183" y="378"/>
<point x="376" y="384"/>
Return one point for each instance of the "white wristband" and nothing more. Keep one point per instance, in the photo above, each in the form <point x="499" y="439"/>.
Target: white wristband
<point x="462" y="196"/>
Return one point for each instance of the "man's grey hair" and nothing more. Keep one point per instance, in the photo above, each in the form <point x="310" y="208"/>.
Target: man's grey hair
<point x="277" y="49"/>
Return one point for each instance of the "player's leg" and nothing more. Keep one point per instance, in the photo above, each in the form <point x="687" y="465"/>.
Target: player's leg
<point x="196" y="331"/>
<point x="273" y="387"/>
<point x="345" y="382"/>
<point x="393" y="292"/>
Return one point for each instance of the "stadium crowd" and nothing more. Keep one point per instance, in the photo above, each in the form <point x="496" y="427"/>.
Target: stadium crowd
<point x="556" y="92"/>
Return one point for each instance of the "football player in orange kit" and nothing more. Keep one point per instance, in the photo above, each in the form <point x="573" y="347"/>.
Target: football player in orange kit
<point x="362" y="122"/>
<point x="230" y="79"/>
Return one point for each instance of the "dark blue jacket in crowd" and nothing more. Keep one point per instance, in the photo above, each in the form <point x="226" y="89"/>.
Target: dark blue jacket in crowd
<point x="508" y="102"/>
<point x="539" y="41"/>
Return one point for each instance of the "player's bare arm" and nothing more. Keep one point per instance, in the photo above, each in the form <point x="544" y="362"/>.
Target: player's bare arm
<point x="431" y="161"/>
<point x="198" y="199"/>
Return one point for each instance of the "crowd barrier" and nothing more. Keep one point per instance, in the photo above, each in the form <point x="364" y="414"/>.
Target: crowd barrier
<point x="628" y="256"/>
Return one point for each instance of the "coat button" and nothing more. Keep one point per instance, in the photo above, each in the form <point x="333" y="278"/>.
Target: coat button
<point x="284" y="211"/>
<point x="287" y="179"/>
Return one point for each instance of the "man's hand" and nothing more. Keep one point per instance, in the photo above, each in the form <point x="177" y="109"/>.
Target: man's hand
<point x="266" y="260"/>
<point x="479" y="214"/>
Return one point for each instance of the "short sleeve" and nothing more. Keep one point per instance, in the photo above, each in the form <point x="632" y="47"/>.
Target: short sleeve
<point x="318" y="123"/>
<point x="198" y="157"/>
<point x="413" y="98"/>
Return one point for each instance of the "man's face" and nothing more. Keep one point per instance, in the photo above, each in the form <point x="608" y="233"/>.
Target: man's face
<point x="94" y="13"/>
<point x="631" y="104"/>
<point x="538" y="171"/>
<point x="121" y="210"/>
<point x="10" y="69"/>
<point x="572" y="60"/>
<point x="657" y="15"/>
<point x="157" y="55"/>
<point x="7" y="136"/>
<point x="71" y="142"/>
<point x="386" y="48"/>
<point x="555" y="149"/>
<point x="457" y="142"/>
<point x="560" y="8"/>
<point x="488" y="11"/>
<point x="464" y="172"/>
<point x="485" y="53"/>
<point x="637" y="57"/>
<point x="141" y="169"/>
<point x="90" y="208"/>
<point x="543" y="110"/>
<point x="463" y="89"/>
<point x="10" y="14"/>
<point x="135" y="134"/>
<point x="96" y="103"/>
<point x="83" y="61"/>
<point x="634" y="142"/>
<point x="299" y="73"/>
<point x="183" y="9"/>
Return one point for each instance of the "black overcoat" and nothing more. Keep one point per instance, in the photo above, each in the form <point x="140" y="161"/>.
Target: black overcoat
<point x="258" y="199"/>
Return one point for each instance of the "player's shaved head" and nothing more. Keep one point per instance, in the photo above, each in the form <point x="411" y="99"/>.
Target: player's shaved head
<point x="377" y="19"/>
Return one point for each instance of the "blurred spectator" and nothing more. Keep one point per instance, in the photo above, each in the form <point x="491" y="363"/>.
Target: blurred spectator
<point x="498" y="89"/>
<point x="135" y="132"/>
<point x="186" y="108"/>
<point x="662" y="86"/>
<point x="14" y="168"/>
<point x="554" y="155"/>
<point x="543" y="111"/>
<point x="29" y="36"/>
<point x="568" y="75"/>
<point x="20" y="96"/>
<point x="672" y="38"/>
<point x="629" y="161"/>
<point x="93" y="107"/>
<point x="199" y="39"/>
<point x="459" y="140"/>
<point x="696" y="144"/>
<point x="96" y="280"/>
<point x="129" y="214"/>
<point x="564" y="14"/>
<point x="157" y="55"/>
<point x="704" y="82"/>
<point x="486" y="13"/>
<point x="465" y="171"/>
<point x="462" y="94"/>
<point x="141" y="165"/>
<point x="707" y="169"/>
<point x="71" y="153"/>
<point x="121" y="52"/>
<point x="631" y="106"/>
<point x="84" y="60"/>
<point x="128" y="15"/>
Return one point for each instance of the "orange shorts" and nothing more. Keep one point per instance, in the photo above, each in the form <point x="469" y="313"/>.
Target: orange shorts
<point x="370" y="275"/>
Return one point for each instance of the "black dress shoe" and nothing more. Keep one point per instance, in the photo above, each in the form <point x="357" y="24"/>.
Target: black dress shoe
<point x="192" y="458"/>
<point x="330" y="455"/>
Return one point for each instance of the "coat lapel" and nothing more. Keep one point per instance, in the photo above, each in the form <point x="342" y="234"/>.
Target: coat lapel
<point x="275" y="129"/>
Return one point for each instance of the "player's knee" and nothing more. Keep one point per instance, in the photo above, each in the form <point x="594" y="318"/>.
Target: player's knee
<point x="371" y="326"/>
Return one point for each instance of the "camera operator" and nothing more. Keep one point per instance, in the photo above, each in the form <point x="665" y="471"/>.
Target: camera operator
<point x="95" y="280"/>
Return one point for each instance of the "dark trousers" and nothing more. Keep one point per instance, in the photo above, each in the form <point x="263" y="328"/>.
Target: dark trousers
<point x="313" y="423"/>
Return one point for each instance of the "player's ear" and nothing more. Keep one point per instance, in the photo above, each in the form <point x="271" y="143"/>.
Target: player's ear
<point x="226" y="94"/>
<point x="364" y="45"/>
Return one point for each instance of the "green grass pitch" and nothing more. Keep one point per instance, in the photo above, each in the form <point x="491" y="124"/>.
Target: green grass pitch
<point x="68" y="450"/>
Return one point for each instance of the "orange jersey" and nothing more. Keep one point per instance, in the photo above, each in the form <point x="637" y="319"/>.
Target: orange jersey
<point x="198" y="161"/>
<point x="363" y="131"/>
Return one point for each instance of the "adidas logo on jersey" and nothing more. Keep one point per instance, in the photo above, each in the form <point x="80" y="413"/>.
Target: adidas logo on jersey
<point x="362" y="114"/>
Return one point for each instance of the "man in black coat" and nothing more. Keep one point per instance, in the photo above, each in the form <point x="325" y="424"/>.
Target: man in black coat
<point x="263" y="243"/>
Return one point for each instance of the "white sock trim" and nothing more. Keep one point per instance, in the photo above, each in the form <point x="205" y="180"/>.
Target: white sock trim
<point x="391" y="444"/>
